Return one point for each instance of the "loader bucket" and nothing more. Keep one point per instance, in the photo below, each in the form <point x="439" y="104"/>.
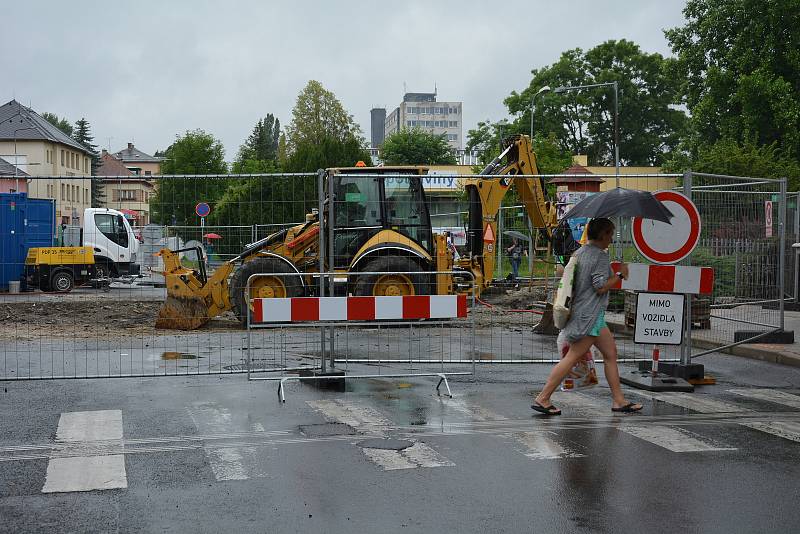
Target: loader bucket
<point x="182" y="313"/>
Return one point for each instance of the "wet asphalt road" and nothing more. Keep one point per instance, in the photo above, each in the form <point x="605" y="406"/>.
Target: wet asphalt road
<point x="211" y="454"/>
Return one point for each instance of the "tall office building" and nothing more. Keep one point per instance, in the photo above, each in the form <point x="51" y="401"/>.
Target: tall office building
<point x="377" y="125"/>
<point x="422" y="110"/>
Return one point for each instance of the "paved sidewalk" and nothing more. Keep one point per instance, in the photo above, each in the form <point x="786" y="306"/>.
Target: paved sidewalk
<point x="768" y="352"/>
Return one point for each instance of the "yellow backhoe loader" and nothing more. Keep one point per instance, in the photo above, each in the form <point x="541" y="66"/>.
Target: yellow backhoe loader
<point x="381" y="225"/>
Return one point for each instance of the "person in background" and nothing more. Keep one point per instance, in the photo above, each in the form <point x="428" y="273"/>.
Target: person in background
<point x="587" y="324"/>
<point x="515" y="255"/>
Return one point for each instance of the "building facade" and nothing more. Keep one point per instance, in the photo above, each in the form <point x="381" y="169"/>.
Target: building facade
<point x="139" y="163"/>
<point x="54" y="161"/>
<point x="125" y="191"/>
<point x="377" y="127"/>
<point x="422" y="110"/>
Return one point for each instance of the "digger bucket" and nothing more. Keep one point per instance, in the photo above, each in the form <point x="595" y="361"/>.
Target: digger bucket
<point x="182" y="313"/>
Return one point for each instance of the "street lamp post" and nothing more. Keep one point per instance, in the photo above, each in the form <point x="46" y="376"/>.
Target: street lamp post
<point x="544" y="89"/>
<point x="615" y="85"/>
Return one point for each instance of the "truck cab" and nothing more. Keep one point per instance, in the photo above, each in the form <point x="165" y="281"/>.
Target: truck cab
<point x="112" y="240"/>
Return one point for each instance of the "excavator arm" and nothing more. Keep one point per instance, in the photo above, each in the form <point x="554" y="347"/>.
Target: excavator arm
<point x="490" y="188"/>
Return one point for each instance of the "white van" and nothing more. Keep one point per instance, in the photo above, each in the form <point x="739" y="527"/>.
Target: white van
<point x="112" y="239"/>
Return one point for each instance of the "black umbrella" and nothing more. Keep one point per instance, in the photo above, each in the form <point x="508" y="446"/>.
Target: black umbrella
<point x="621" y="202"/>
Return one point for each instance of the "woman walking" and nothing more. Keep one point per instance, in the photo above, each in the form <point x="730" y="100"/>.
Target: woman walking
<point x="587" y="323"/>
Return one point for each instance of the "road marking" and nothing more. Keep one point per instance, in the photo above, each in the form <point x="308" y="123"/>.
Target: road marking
<point x="366" y="419"/>
<point x="673" y="438"/>
<point x="769" y="395"/>
<point x="784" y="429"/>
<point x="82" y="472"/>
<point x="692" y="401"/>
<point x="471" y="410"/>
<point x="231" y="462"/>
<point x="669" y="437"/>
<point x="418" y="455"/>
<point x="351" y="413"/>
<point x="543" y="446"/>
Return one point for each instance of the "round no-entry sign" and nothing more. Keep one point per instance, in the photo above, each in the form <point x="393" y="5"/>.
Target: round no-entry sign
<point x="668" y="243"/>
<point x="202" y="209"/>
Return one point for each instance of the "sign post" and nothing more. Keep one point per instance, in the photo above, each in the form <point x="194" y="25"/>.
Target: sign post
<point x="203" y="210"/>
<point x="666" y="318"/>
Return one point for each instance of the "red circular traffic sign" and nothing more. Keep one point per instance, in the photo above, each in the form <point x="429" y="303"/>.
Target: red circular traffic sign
<point x="202" y="209"/>
<point x="668" y="243"/>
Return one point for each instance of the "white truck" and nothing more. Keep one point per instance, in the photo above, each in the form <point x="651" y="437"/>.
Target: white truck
<point x="111" y="237"/>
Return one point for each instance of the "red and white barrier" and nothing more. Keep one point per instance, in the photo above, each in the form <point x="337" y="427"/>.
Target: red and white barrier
<point x="309" y="309"/>
<point x="667" y="278"/>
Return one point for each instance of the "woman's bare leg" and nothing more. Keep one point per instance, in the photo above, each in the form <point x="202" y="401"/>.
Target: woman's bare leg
<point x="576" y="351"/>
<point x="608" y="346"/>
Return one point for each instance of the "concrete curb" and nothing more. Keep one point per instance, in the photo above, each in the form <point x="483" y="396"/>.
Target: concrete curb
<point x="757" y="351"/>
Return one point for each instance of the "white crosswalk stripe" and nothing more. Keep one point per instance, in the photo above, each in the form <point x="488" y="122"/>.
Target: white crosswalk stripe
<point x="672" y="438"/>
<point x="784" y="429"/>
<point x="88" y="473"/>
<point x="769" y="395"/>
<point x="227" y="462"/>
<point x="543" y="446"/>
<point x="691" y="401"/>
<point x="471" y="410"/>
<point x="369" y="420"/>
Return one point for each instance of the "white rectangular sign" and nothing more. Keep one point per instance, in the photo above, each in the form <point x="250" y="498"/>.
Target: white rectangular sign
<point x="659" y="319"/>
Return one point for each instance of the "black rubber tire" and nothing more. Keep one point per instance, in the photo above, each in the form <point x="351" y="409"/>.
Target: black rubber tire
<point x="364" y="284"/>
<point x="62" y="282"/>
<point x="293" y="284"/>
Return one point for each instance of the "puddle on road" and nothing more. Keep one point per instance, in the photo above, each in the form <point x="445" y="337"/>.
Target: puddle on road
<point x="178" y="356"/>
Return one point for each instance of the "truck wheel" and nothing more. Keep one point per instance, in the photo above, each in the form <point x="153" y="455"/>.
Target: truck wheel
<point x="413" y="281"/>
<point x="62" y="282"/>
<point x="285" y="283"/>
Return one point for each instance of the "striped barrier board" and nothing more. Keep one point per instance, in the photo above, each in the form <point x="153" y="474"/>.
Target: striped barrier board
<point x="309" y="309"/>
<point x="667" y="278"/>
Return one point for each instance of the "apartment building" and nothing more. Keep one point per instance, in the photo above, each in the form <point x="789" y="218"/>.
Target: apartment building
<point x="54" y="162"/>
<point x="422" y="110"/>
<point x="124" y="190"/>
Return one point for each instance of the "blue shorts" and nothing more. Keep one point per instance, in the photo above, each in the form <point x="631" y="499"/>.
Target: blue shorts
<point x="599" y="324"/>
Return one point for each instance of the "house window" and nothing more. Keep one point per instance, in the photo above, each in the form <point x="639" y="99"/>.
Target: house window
<point x="453" y="124"/>
<point x="85" y="196"/>
<point x="62" y="193"/>
<point x="62" y="158"/>
<point x="126" y="194"/>
<point x="148" y="173"/>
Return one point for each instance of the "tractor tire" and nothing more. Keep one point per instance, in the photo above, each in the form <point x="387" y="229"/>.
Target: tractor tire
<point x="62" y="282"/>
<point x="379" y="285"/>
<point x="277" y="286"/>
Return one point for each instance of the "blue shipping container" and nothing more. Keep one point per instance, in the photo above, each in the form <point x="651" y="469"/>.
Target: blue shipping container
<point x="24" y="223"/>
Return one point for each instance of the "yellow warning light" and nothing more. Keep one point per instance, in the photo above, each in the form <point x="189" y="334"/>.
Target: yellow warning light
<point x="361" y="164"/>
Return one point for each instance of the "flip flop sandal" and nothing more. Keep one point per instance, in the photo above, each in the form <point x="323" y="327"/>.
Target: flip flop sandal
<point x="549" y="410"/>
<point x="628" y="408"/>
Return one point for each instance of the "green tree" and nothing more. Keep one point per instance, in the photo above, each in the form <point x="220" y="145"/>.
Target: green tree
<point x="417" y="147"/>
<point x="649" y="125"/>
<point x="195" y="153"/>
<point x="261" y="146"/>
<point x="60" y="123"/>
<point x="318" y="115"/>
<point x="83" y="134"/>
<point x="735" y="158"/>
<point x="739" y="63"/>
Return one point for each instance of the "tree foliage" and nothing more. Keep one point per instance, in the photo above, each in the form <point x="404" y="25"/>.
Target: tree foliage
<point x="196" y="152"/>
<point x="61" y="123"/>
<point x="318" y="115"/>
<point x="83" y="134"/>
<point x="735" y="158"/>
<point x="260" y="150"/>
<point x="740" y="67"/>
<point x="583" y="121"/>
<point x="417" y="147"/>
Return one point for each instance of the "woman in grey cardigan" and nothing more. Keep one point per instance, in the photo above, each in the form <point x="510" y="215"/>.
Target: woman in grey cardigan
<point x="587" y="323"/>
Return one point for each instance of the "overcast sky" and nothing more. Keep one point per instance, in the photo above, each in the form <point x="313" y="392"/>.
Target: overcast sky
<point x="144" y="71"/>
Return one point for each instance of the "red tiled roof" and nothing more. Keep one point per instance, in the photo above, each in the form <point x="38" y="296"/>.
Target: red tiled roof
<point x="582" y="174"/>
<point x="111" y="166"/>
